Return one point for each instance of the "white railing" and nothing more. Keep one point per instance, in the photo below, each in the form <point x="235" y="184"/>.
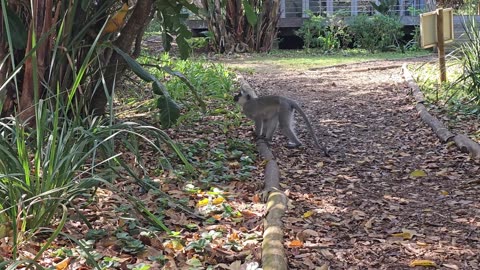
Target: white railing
<point x="299" y="8"/>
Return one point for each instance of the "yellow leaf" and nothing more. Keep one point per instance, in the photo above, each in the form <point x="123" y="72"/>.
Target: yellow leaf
<point x="307" y="214"/>
<point x="203" y="202"/>
<point x="405" y="234"/>
<point x="422" y="244"/>
<point x="218" y="200"/>
<point x="418" y="173"/>
<point x="444" y="192"/>
<point x="422" y="263"/>
<point x="63" y="264"/>
<point x="295" y="243"/>
<point x="175" y="245"/>
<point x="116" y="21"/>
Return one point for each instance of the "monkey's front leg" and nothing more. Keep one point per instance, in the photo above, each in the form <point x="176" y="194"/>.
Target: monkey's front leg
<point x="261" y="131"/>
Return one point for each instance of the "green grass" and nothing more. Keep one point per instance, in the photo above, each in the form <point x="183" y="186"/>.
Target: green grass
<point x="451" y="95"/>
<point x="311" y="59"/>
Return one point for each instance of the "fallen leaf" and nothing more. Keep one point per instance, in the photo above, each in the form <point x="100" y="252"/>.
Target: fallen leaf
<point x="63" y="264"/>
<point x="451" y="266"/>
<point x="218" y="200"/>
<point x="421" y="244"/>
<point x="295" y="243"/>
<point x="308" y="214"/>
<point x="368" y="224"/>
<point x="203" y="202"/>
<point x="422" y="263"/>
<point x="405" y="234"/>
<point x="418" y="173"/>
<point x="327" y="254"/>
<point x="323" y="267"/>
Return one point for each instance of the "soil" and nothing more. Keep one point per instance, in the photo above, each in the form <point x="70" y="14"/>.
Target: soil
<point x="390" y="194"/>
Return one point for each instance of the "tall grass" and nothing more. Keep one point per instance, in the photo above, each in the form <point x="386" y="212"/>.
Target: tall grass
<point x="43" y="169"/>
<point x="470" y="57"/>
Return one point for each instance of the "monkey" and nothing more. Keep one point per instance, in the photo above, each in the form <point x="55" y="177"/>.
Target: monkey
<point x="269" y="112"/>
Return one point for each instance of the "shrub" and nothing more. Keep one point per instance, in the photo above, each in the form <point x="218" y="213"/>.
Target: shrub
<point x="377" y="32"/>
<point x="326" y="33"/>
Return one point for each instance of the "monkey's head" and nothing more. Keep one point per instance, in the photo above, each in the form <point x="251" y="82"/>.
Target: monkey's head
<point x="241" y="98"/>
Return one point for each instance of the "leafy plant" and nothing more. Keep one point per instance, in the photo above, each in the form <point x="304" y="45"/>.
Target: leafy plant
<point x="377" y="32"/>
<point x="327" y="33"/>
<point x="206" y="79"/>
<point x="469" y="55"/>
<point x="385" y="7"/>
<point x="413" y="11"/>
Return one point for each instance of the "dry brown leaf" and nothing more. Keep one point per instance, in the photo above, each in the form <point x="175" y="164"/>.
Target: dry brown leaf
<point x="369" y="223"/>
<point x="451" y="266"/>
<point x="323" y="267"/>
<point x="327" y="254"/>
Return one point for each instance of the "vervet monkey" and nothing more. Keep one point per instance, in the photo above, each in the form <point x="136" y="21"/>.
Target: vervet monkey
<point x="270" y="111"/>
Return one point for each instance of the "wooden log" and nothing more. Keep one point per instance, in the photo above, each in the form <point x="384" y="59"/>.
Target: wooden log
<point x="467" y="145"/>
<point x="273" y="253"/>
<point x="442" y="132"/>
<point x="417" y="94"/>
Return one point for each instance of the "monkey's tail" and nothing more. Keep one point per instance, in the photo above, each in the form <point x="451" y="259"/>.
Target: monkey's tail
<point x="309" y="126"/>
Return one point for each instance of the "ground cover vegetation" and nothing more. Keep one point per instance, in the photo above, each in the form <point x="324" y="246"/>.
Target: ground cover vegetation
<point x="458" y="99"/>
<point x="158" y="181"/>
<point x="78" y="189"/>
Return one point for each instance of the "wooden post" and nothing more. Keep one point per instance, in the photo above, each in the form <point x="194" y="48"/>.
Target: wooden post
<point x="441" y="46"/>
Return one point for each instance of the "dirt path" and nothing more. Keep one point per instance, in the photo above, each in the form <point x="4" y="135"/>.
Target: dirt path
<point x="365" y="193"/>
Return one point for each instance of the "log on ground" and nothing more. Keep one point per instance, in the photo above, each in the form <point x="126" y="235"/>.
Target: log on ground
<point x="467" y="145"/>
<point x="442" y="132"/>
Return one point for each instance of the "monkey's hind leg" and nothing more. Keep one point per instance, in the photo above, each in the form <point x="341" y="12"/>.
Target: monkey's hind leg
<point x="287" y="125"/>
<point x="270" y="127"/>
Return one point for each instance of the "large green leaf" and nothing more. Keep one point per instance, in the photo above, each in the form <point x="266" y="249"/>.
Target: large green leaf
<point x="17" y="29"/>
<point x="169" y="110"/>
<point x="250" y="13"/>
<point x="173" y="15"/>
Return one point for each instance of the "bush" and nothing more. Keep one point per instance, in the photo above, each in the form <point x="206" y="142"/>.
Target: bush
<point x="326" y="33"/>
<point x="377" y="32"/>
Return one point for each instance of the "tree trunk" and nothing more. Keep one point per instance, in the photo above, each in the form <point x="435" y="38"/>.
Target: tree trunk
<point x="232" y="32"/>
<point x="116" y="66"/>
<point x="32" y="83"/>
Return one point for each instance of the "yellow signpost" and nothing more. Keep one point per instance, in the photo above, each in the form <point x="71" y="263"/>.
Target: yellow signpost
<point x="436" y="29"/>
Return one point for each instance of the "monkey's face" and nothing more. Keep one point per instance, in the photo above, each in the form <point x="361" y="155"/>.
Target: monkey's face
<point x="241" y="98"/>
